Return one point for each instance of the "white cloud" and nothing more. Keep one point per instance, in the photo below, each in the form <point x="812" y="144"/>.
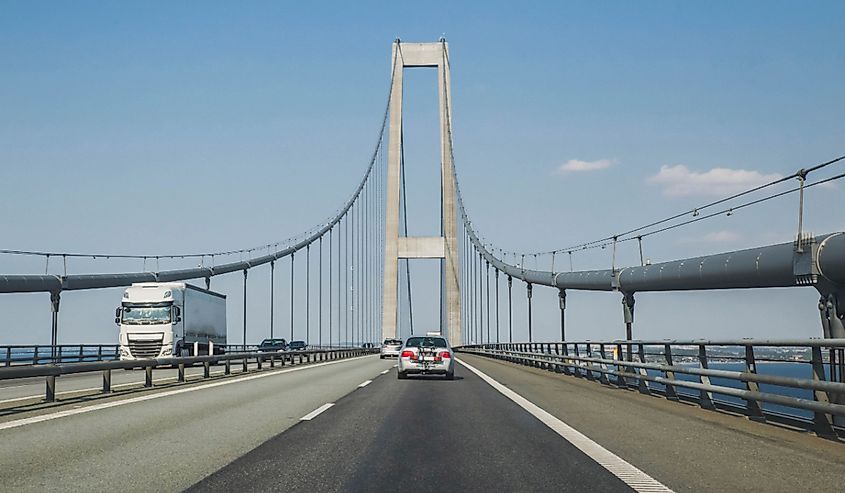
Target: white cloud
<point x="576" y="165"/>
<point x="680" y="181"/>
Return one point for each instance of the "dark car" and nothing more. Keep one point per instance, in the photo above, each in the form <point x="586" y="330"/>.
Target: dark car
<point x="297" y="346"/>
<point x="270" y="345"/>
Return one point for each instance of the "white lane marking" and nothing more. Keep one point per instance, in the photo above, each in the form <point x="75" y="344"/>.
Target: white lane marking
<point x="394" y="366"/>
<point x="629" y="474"/>
<point x="313" y="414"/>
<point x="365" y="384"/>
<point x="106" y="405"/>
<point x="385" y="372"/>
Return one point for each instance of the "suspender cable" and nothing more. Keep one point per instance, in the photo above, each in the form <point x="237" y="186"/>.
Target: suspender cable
<point x="352" y="273"/>
<point x="331" y="235"/>
<point x="530" y="334"/>
<point x="308" y="294"/>
<point x="245" y="271"/>
<point x="320" y="296"/>
<point x="272" y="296"/>
<point x="291" y="295"/>
<point x="497" y="307"/>
<point x="480" y="298"/>
<point x="510" y="308"/>
<point x="470" y="261"/>
<point x="346" y="281"/>
<point x="339" y="284"/>
<point x="489" y="339"/>
<point x="562" y="301"/>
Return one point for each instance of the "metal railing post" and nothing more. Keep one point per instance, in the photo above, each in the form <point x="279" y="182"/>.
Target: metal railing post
<point x="148" y="376"/>
<point x="752" y="407"/>
<point x="822" y="422"/>
<point x="106" y="381"/>
<point x="620" y="368"/>
<point x="642" y="383"/>
<point x="705" y="398"/>
<point x="669" y="391"/>
<point x="51" y="389"/>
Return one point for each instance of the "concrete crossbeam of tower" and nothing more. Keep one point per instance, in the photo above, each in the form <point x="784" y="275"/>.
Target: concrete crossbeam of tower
<point x="444" y="247"/>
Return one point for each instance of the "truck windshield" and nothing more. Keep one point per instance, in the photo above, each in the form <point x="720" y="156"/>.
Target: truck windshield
<point x="146" y="315"/>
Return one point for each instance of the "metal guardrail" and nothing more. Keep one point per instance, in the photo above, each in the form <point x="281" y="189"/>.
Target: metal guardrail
<point x="41" y="354"/>
<point x="681" y="370"/>
<point x="22" y="354"/>
<point x="50" y="372"/>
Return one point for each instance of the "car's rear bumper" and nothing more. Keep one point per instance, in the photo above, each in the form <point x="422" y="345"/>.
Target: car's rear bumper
<point x="411" y="367"/>
<point x="429" y="371"/>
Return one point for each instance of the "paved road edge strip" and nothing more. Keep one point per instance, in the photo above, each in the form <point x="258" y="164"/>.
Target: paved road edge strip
<point x="106" y="405"/>
<point x="629" y="474"/>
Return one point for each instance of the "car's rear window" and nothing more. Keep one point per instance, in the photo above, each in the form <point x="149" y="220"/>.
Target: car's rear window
<point x="392" y="342"/>
<point x="426" y="342"/>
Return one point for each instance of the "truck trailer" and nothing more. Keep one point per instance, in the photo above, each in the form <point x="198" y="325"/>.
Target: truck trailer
<point x="159" y="320"/>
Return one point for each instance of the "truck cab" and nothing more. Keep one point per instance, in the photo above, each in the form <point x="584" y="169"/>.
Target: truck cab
<point x="159" y="320"/>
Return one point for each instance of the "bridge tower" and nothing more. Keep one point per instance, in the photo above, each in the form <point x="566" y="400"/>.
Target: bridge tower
<point x="445" y="246"/>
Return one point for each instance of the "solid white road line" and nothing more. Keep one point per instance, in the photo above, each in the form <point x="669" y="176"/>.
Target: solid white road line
<point x="630" y="475"/>
<point x="365" y="384"/>
<point x="313" y="414"/>
<point x="106" y="405"/>
<point x="385" y="372"/>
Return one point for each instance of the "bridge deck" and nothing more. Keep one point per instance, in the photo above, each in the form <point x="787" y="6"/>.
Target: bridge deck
<point x="241" y="436"/>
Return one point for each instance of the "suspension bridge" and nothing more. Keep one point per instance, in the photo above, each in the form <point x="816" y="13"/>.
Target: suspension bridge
<point x="524" y="414"/>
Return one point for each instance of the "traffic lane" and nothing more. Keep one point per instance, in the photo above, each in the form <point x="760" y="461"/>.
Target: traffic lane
<point x="684" y="447"/>
<point x="171" y="442"/>
<point x="15" y="391"/>
<point x="423" y="433"/>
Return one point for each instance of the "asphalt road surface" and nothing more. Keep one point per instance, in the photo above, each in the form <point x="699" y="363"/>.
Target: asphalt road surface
<point x="365" y="430"/>
<point x="420" y="434"/>
<point x="169" y="438"/>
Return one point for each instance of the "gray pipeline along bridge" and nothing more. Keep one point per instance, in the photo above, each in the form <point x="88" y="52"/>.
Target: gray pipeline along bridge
<point x="522" y="414"/>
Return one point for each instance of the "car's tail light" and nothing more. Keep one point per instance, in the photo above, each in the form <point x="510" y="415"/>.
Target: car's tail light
<point x="445" y="355"/>
<point x="409" y="354"/>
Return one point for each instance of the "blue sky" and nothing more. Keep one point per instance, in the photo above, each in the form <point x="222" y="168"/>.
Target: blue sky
<point x="182" y="126"/>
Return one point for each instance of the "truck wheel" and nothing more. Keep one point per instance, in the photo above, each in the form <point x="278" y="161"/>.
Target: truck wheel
<point x="450" y="375"/>
<point x="381" y="356"/>
<point x="401" y="375"/>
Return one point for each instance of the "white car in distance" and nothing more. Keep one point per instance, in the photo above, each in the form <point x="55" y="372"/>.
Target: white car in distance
<point x="390" y="347"/>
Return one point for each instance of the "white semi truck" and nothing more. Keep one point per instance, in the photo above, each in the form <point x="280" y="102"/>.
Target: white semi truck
<point x="158" y="320"/>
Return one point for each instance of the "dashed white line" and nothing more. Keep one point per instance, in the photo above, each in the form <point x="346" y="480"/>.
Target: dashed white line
<point x="629" y="474"/>
<point x="385" y="372"/>
<point x="365" y="384"/>
<point x="313" y="414"/>
<point x="106" y="405"/>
